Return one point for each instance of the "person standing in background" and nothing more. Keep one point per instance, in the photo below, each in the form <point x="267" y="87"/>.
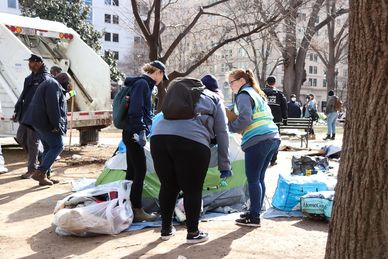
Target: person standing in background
<point x="278" y="104"/>
<point x="333" y="106"/>
<point x="293" y="108"/>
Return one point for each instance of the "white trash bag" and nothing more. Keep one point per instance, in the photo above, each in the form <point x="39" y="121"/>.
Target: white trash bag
<point x="105" y="209"/>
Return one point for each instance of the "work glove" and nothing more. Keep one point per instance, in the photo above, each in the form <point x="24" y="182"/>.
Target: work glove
<point x="140" y="138"/>
<point x="223" y="175"/>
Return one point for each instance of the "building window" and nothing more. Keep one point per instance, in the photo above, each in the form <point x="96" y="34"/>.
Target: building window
<point x="112" y="2"/>
<point x="107" y="36"/>
<point x="12" y="4"/>
<point x="115" y="37"/>
<point x="108" y="18"/>
<point x="115" y="19"/>
<point x="312" y="82"/>
<point x="136" y="39"/>
<point x="324" y="83"/>
<point x="116" y="55"/>
<point x="313" y="70"/>
<point x="225" y="67"/>
<point x="313" y="57"/>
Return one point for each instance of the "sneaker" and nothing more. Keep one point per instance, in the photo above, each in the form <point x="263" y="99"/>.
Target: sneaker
<point x="198" y="237"/>
<point x="167" y="234"/>
<point x="249" y="221"/>
<point x="3" y="170"/>
<point x="244" y="215"/>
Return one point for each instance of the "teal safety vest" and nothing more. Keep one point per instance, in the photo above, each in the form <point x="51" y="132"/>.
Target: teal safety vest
<point x="262" y="119"/>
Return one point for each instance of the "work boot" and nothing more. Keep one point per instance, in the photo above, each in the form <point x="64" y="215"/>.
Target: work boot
<point x="41" y="177"/>
<point x="26" y="175"/>
<point x="333" y="137"/>
<point x="55" y="181"/>
<point x="140" y="215"/>
<point x="327" y="137"/>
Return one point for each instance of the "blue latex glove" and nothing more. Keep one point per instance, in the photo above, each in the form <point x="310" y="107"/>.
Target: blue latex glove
<point x="223" y="175"/>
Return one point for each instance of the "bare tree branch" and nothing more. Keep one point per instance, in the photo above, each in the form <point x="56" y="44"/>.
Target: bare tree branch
<point x="140" y="22"/>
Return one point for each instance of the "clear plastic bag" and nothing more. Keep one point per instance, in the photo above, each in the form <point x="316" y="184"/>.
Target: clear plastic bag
<point x="105" y="209"/>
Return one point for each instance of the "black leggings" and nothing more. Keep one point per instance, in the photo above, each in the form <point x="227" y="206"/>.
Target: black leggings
<point x="181" y="164"/>
<point x="136" y="168"/>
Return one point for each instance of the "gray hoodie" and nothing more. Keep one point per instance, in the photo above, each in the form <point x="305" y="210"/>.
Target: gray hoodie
<point x="210" y="123"/>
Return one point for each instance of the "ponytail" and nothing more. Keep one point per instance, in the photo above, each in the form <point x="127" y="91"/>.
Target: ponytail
<point x="250" y="79"/>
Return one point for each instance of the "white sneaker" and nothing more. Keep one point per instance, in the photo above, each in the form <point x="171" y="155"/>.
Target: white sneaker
<point x="3" y="170"/>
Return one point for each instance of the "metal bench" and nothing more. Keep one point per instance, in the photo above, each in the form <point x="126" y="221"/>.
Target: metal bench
<point x="299" y="127"/>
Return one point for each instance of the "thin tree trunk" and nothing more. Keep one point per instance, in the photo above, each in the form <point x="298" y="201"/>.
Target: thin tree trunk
<point x="360" y="216"/>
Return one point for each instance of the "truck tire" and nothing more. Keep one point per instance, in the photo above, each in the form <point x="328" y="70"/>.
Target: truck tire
<point x="88" y="136"/>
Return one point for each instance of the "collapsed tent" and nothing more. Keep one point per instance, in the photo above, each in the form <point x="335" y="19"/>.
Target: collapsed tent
<point x="215" y="194"/>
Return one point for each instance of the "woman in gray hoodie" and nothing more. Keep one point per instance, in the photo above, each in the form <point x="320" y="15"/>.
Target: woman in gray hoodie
<point x="181" y="154"/>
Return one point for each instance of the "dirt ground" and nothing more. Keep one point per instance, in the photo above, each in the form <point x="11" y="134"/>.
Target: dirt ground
<point x="26" y="217"/>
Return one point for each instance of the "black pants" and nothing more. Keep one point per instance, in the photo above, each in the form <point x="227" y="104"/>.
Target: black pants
<point x="136" y="168"/>
<point x="181" y="164"/>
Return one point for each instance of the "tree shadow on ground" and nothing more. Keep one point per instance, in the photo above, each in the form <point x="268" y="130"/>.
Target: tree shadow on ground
<point x="221" y="246"/>
<point x="47" y="244"/>
<point x="39" y="208"/>
<point x="312" y="225"/>
<point x="8" y="197"/>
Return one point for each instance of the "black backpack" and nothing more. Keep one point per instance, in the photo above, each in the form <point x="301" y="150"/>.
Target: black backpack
<point x="181" y="97"/>
<point x="121" y="103"/>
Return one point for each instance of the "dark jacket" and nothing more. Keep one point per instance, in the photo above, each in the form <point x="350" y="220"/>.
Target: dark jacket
<point x="278" y="104"/>
<point x="294" y="110"/>
<point x="331" y="102"/>
<point x="48" y="108"/>
<point x="31" y="83"/>
<point x="140" y="113"/>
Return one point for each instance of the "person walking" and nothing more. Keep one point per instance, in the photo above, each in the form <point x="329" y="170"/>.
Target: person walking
<point x="311" y="112"/>
<point x="278" y="104"/>
<point x="180" y="149"/>
<point x="48" y="116"/>
<point x="333" y="106"/>
<point x="293" y="107"/>
<point x="260" y="138"/>
<point x="137" y="126"/>
<point x="26" y="136"/>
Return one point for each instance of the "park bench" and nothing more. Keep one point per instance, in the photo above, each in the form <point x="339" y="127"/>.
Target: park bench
<point x="299" y="127"/>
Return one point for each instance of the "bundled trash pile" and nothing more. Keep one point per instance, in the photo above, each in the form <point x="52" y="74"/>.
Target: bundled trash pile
<point x="308" y="188"/>
<point x="104" y="209"/>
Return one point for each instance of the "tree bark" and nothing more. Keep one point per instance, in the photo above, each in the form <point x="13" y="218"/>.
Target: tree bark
<point x="360" y="214"/>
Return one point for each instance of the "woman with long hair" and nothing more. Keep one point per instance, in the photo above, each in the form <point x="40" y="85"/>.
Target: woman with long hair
<point x="260" y="138"/>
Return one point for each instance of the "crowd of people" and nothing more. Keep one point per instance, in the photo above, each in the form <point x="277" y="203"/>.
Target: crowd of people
<point x="180" y="143"/>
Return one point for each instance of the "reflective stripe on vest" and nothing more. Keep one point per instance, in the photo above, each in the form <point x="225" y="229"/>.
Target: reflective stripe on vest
<point x="262" y="119"/>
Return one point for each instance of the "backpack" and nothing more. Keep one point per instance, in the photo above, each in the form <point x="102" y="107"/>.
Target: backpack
<point x="181" y="97"/>
<point x="314" y="114"/>
<point x="121" y="103"/>
<point x="338" y="104"/>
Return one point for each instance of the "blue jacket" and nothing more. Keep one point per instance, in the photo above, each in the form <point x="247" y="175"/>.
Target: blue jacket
<point x="140" y="113"/>
<point x="48" y="108"/>
<point x="31" y="83"/>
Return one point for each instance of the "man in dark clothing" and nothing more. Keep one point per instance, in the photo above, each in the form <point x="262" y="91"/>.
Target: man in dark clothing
<point x="293" y="108"/>
<point x="26" y="136"/>
<point x="48" y="116"/>
<point x="278" y="104"/>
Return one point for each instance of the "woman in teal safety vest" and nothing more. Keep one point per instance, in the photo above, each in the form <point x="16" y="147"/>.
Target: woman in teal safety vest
<point x="260" y="138"/>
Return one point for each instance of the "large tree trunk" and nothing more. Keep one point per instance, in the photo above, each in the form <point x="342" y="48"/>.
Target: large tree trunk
<point x="360" y="216"/>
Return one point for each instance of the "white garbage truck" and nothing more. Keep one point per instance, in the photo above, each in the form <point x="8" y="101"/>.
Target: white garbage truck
<point x="58" y="45"/>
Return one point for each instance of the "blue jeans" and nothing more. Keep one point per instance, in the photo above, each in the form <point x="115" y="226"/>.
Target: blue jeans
<point x="257" y="158"/>
<point x="52" y="147"/>
<point x="331" y="120"/>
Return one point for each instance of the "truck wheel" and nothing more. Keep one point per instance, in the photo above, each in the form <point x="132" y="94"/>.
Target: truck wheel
<point x="88" y="136"/>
